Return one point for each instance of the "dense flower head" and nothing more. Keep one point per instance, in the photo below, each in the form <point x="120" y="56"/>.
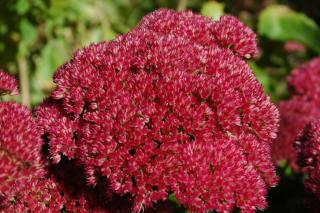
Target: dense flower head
<point x="20" y="145"/>
<point x="45" y="195"/>
<point x="33" y="195"/>
<point x="169" y="107"/>
<point x="8" y="84"/>
<point x="62" y="189"/>
<point x="308" y="148"/>
<point x="299" y="110"/>
<point x="58" y="128"/>
<point x="233" y="34"/>
<point x="228" y="32"/>
<point x="295" y="114"/>
<point x="305" y="80"/>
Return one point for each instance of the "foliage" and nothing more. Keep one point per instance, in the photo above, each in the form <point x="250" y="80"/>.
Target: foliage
<point x="278" y="22"/>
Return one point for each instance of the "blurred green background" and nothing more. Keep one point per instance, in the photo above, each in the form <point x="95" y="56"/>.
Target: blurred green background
<point x="37" y="36"/>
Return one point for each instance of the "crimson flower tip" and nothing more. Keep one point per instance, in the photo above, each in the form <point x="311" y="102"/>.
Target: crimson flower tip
<point x="8" y="84"/>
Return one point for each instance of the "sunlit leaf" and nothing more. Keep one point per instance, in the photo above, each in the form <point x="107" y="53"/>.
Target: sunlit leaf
<point x="53" y="54"/>
<point x="28" y="33"/>
<point x="262" y="77"/>
<point x="213" y="9"/>
<point x="280" y="23"/>
<point x="22" y="6"/>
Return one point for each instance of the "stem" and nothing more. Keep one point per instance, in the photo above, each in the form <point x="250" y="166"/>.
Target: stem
<point x="182" y="5"/>
<point x="24" y="81"/>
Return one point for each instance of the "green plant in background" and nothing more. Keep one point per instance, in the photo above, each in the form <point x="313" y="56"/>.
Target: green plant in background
<point x="44" y="34"/>
<point x="280" y="23"/>
<point x="213" y="9"/>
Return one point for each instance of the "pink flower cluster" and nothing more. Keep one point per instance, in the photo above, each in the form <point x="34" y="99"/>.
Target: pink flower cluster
<point x="308" y="148"/>
<point x="305" y="80"/>
<point x="62" y="189"/>
<point x="8" y="84"/>
<point x="28" y="182"/>
<point x="298" y="111"/>
<point x="170" y="107"/>
<point x="20" y="144"/>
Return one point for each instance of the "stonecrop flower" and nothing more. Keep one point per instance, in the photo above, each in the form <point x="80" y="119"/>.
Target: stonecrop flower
<point x="170" y="107"/>
<point x="29" y="182"/>
<point x="306" y="79"/>
<point x="8" y="84"/>
<point x="308" y="149"/>
<point x="62" y="190"/>
<point x="20" y="145"/>
<point x="303" y="107"/>
<point x="34" y="195"/>
<point x="228" y="32"/>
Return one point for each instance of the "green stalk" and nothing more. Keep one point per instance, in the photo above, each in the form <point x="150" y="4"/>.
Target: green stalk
<point x="24" y="81"/>
<point x="182" y="5"/>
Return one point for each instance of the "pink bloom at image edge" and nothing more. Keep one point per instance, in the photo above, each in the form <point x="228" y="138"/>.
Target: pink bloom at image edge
<point x="299" y="110"/>
<point x="308" y="149"/>
<point x="8" y="84"/>
<point x="20" y="145"/>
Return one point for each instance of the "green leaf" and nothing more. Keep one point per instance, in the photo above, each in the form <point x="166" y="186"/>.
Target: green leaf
<point x="288" y="171"/>
<point x="262" y="76"/>
<point x="177" y="207"/>
<point x="22" y="6"/>
<point x="109" y="34"/>
<point x="213" y="9"/>
<point x="3" y="28"/>
<point x="273" y="85"/>
<point x="28" y="33"/>
<point x="51" y="56"/>
<point x="280" y="23"/>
